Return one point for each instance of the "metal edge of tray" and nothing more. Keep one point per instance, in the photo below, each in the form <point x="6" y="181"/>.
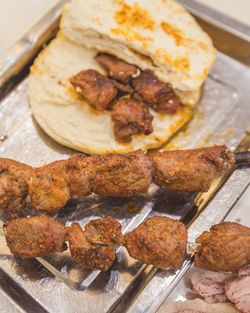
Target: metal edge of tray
<point x="20" y="56"/>
<point x="236" y="34"/>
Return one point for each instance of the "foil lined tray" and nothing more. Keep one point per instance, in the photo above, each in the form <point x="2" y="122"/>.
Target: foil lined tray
<point x="222" y="117"/>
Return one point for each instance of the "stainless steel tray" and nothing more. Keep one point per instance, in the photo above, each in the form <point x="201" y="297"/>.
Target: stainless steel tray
<point x="223" y="117"/>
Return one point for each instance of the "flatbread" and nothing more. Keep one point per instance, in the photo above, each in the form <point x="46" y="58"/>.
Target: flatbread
<point x="67" y="118"/>
<point x="159" y="35"/>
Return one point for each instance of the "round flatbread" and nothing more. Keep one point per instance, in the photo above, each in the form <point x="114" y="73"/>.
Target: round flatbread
<point x="67" y="118"/>
<point x="159" y="35"/>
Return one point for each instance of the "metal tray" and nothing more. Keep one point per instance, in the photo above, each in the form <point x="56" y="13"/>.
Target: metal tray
<point x="222" y="117"/>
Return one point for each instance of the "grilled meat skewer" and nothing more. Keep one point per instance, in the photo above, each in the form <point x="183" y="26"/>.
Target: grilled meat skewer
<point x="159" y="241"/>
<point x="91" y="248"/>
<point x="118" y="175"/>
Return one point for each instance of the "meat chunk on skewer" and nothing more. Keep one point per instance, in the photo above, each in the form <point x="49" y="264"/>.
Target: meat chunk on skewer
<point x="80" y="171"/>
<point x="35" y="236"/>
<point x="14" y="177"/>
<point x="131" y="117"/>
<point x="156" y="93"/>
<point x="117" y="69"/>
<point x="96" y="88"/>
<point x="190" y="170"/>
<point x="122" y="175"/>
<point x="104" y="231"/>
<point x="48" y="189"/>
<point x="159" y="241"/>
<point x="94" y="247"/>
<point x="226" y="247"/>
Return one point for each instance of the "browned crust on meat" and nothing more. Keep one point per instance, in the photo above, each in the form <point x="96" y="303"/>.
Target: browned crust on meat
<point x="159" y="241"/>
<point x="14" y="177"/>
<point x="48" y="188"/>
<point x="104" y="231"/>
<point x="226" y="247"/>
<point x="35" y="236"/>
<point x="190" y="170"/>
<point x="89" y="255"/>
<point x="122" y="175"/>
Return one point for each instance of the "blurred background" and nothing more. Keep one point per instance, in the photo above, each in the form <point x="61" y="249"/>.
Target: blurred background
<point x="17" y="16"/>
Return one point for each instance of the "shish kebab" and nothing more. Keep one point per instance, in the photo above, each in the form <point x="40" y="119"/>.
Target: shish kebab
<point x="49" y="187"/>
<point x="160" y="241"/>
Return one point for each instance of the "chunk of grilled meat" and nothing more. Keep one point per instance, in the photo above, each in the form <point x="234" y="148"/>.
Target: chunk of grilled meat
<point x="159" y="241"/>
<point x="226" y="247"/>
<point x="156" y="93"/>
<point x="104" y="231"/>
<point x="96" y="88"/>
<point x="190" y="170"/>
<point x="131" y="117"/>
<point x="48" y="189"/>
<point x="94" y="248"/>
<point x="122" y="175"/>
<point x="35" y="236"/>
<point x="117" y="69"/>
<point x="123" y="88"/>
<point x="80" y="170"/>
<point x="14" y="177"/>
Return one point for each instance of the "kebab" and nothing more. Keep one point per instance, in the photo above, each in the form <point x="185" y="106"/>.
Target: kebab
<point x="159" y="241"/>
<point x="119" y="175"/>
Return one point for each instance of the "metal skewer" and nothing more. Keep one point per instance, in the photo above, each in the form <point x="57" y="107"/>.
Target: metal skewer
<point x="242" y="159"/>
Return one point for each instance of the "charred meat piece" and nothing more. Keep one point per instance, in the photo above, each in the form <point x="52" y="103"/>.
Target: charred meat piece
<point x="104" y="231"/>
<point x="117" y="69"/>
<point x="133" y="115"/>
<point x="80" y="172"/>
<point x="122" y="175"/>
<point x="124" y="133"/>
<point x="156" y="93"/>
<point x="96" y="88"/>
<point x="238" y="292"/>
<point x="14" y="177"/>
<point x="226" y="247"/>
<point x="123" y="88"/>
<point x="159" y="241"/>
<point x="48" y="189"/>
<point x="97" y="252"/>
<point x="35" y="236"/>
<point x="190" y="170"/>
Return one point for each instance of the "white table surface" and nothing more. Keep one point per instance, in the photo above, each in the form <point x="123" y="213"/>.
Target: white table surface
<point x="17" y="16"/>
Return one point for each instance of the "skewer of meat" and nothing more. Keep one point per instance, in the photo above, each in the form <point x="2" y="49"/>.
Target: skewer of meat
<point x="91" y="248"/>
<point x="159" y="241"/>
<point x="119" y="175"/>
